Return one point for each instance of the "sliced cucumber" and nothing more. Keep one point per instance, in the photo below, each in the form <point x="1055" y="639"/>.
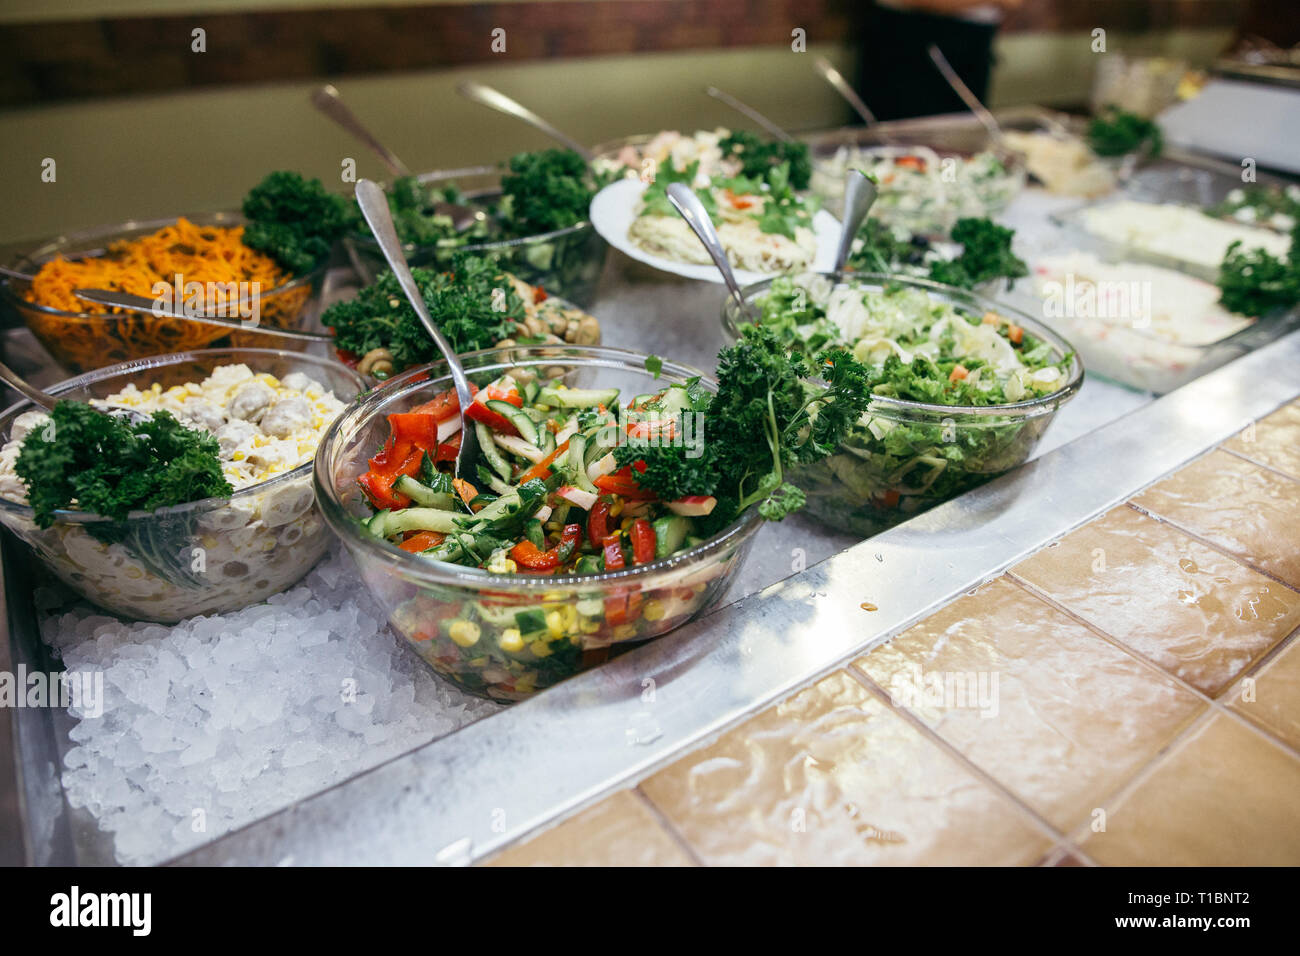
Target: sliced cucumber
<point x="547" y="443"/>
<point x="423" y="494"/>
<point x="578" y="397"/>
<point x="386" y="523"/>
<point x="500" y="616"/>
<point x="530" y="392"/>
<point x="575" y="464"/>
<point x="526" y="427"/>
<point x="670" y="534"/>
<point x="676" y="398"/>
<point x="488" y="446"/>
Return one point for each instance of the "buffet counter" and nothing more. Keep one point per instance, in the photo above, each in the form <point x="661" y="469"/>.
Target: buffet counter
<point x="675" y="752"/>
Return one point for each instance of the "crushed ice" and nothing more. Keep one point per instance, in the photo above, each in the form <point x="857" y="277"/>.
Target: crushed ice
<point x="221" y="720"/>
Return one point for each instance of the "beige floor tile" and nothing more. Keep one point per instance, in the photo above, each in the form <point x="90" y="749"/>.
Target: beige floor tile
<point x="1274" y="441"/>
<point x="1243" y="508"/>
<point x="1197" y="613"/>
<point x="618" y="831"/>
<point x="833" y="776"/>
<point x="1042" y="704"/>
<point x="1272" y="697"/>
<point x="1224" y="797"/>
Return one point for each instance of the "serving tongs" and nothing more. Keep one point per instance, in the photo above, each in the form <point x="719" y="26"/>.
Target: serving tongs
<point x="374" y="207"/>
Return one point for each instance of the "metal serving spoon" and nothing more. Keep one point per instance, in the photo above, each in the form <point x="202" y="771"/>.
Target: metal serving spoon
<point x="859" y="195"/>
<point x="970" y="99"/>
<point x="374" y="206"/>
<point x="496" y="100"/>
<point x="836" y="79"/>
<point x="749" y="111"/>
<point x="692" y="210"/>
<point x="47" y="401"/>
<point x="328" y="101"/>
<point x="139" y="303"/>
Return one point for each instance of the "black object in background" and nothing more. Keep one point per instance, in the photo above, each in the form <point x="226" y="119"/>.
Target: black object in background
<point x="897" y="78"/>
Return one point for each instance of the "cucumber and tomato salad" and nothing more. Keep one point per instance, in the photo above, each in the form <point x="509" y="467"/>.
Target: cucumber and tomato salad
<point x="549" y="496"/>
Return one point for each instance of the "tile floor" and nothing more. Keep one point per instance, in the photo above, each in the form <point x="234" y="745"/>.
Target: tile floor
<point x="1129" y="695"/>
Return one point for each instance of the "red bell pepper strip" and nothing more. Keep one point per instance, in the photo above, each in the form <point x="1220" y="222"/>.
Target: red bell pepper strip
<point x="479" y="412"/>
<point x="418" y="428"/>
<point x="614" y="560"/>
<point x="528" y="555"/>
<point x="443" y="406"/>
<point x="622" y="608"/>
<point x="643" y="541"/>
<point x="598" y="522"/>
<point x="448" y="450"/>
<point x="625" y="486"/>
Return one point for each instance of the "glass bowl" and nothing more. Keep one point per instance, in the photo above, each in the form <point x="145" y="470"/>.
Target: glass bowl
<point x="205" y="557"/>
<point x="80" y="341"/>
<point x="588" y="617"/>
<point x="566" y="262"/>
<point x="880" y="476"/>
<point x="930" y="206"/>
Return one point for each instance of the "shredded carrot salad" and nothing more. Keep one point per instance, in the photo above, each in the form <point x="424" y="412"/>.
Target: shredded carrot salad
<point x="196" y="253"/>
<point x="203" y="254"/>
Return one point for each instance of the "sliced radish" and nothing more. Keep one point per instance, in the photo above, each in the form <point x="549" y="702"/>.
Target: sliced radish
<point x="577" y="497"/>
<point x="605" y="465"/>
<point x="448" y="428"/>
<point x="693" y="506"/>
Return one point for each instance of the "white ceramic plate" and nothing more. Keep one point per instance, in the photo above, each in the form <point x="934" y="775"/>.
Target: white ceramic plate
<point x="614" y="208"/>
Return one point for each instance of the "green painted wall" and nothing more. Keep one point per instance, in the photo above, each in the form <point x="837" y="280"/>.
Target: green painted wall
<point x="197" y="150"/>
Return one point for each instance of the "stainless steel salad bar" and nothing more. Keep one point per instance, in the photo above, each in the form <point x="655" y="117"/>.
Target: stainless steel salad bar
<point x="806" y="594"/>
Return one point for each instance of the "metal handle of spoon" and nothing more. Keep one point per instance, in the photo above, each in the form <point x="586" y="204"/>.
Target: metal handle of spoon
<point x="749" y="111"/>
<point x="836" y="79"/>
<point x="28" y="390"/>
<point x="139" y="303"/>
<point x="692" y="210"/>
<point x="328" y="101"/>
<point x="961" y="89"/>
<point x="859" y="195"/>
<point x="496" y="100"/>
<point x="374" y="207"/>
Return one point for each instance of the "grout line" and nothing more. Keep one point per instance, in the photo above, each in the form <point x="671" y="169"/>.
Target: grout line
<point x="667" y="824"/>
<point x="1219" y="703"/>
<point x="933" y="737"/>
<point x="1245" y="562"/>
<point x="1114" y="799"/>
<point x="1259" y="464"/>
<point x="1034" y="591"/>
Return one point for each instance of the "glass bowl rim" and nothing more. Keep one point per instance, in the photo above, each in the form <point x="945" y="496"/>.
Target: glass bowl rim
<point x="882" y="404"/>
<point x="367" y="241"/>
<point x="73" y="516"/>
<point x="412" y="566"/>
<point x="107" y="232"/>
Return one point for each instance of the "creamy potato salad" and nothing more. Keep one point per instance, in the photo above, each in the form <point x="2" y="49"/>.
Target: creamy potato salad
<point x="210" y="556"/>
